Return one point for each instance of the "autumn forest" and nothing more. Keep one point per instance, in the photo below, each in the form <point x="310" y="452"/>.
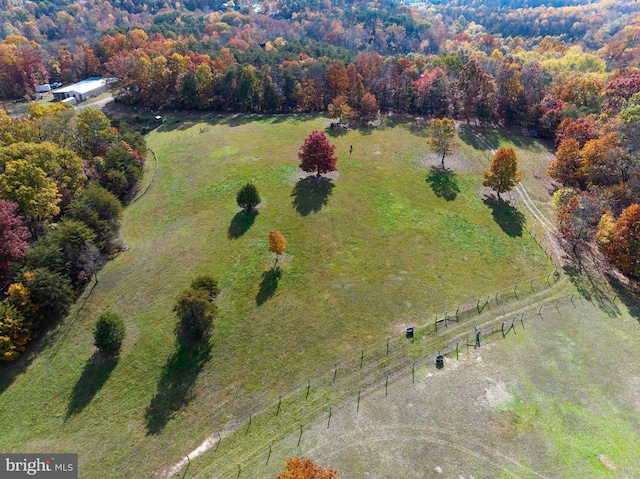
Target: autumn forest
<point x="563" y="72"/>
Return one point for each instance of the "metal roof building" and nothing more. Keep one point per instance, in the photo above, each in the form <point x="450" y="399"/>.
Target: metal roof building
<point x="84" y="89"/>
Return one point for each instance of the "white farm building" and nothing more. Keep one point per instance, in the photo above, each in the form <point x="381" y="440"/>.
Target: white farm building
<point x="83" y="90"/>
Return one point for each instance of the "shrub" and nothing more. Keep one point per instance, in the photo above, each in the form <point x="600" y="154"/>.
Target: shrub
<point x="51" y="294"/>
<point x="14" y="333"/>
<point x="108" y="333"/>
<point x="100" y="210"/>
<point x="248" y="197"/>
<point x="208" y="284"/>
<point x="195" y="311"/>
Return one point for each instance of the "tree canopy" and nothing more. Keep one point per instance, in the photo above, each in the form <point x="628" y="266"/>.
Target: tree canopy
<point x="316" y="154"/>
<point x="441" y="137"/>
<point x="13" y="238"/>
<point x="503" y="172"/>
<point x="277" y="243"/>
<point x="623" y="247"/>
<point x="248" y="197"/>
<point x="305" y="468"/>
<point x="109" y="333"/>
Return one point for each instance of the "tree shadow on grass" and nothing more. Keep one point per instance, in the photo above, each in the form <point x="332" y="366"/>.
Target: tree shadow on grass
<point x="507" y="216"/>
<point x="443" y="182"/>
<point x="241" y="223"/>
<point x="174" y="388"/>
<point x="50" y="337"/>
<point x="419" y="127"/>
<point x="96" y="371"/>
<point x="311" y="193"/>
<point x="336" y="130"/>
<point x="365" y="129"/>
<point x="467" y="136"/>
<point x="268" y="285"/>
<point x="628" y="294"/>
<point x="591" y="287"/>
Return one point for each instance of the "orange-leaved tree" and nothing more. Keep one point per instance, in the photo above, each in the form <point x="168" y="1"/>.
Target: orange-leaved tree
<point x="566" y="167"/>
<point x="623" y="248"/>
<point x="277" y="243"/>
<point x="339" y="109"/>
<point x="304" y="468"/>
<point x="368" y="108"/>
<point x="503" y="173"/>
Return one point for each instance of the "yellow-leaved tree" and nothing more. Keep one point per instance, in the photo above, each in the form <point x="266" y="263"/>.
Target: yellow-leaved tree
<point x="441" y="137"/>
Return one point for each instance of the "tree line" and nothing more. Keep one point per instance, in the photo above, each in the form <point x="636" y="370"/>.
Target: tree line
<point x="597" y="166"/>
<point x="64" y="176"/>
<point x="68" y="41"/>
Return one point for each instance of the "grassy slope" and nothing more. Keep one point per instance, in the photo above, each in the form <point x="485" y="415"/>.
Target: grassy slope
<point x="382" y="253"/>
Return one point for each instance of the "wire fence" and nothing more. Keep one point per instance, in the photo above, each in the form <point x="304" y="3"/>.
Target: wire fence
<point x="450" y="334"/>
<point x="290" y="436"/>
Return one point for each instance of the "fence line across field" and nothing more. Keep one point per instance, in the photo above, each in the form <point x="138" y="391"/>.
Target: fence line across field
<point x="347" y="382"/>
<point x="295" y="433"/>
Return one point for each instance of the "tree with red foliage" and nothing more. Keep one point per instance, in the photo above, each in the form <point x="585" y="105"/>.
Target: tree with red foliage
<point x="431" y="92"/>
<point x="316" y="154"/>
<point x="550" y="116"/>
<point x="581" y="130"/>
<point x="13" y="238"/>
<point x="21" y="68"/>
<point x="623" y="249"/>
<point x="304" y="468"/>
<point x="618" y="89"/>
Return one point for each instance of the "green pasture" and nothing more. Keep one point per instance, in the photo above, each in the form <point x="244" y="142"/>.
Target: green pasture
<point x="386" y="242"/>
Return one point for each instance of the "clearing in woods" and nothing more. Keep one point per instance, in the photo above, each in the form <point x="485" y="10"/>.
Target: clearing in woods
<point x="388" y="241"/>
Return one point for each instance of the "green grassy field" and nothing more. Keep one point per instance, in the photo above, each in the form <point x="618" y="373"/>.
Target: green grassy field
<point x="386" y="242"/>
